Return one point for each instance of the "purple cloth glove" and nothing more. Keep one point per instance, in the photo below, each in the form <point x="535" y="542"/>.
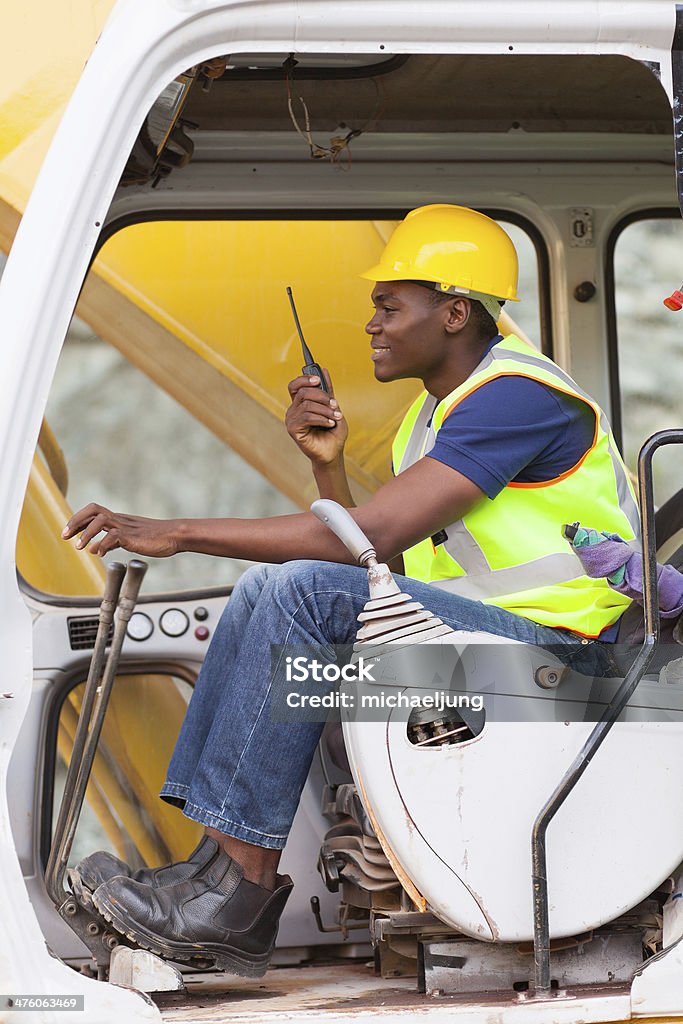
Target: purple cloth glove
<point x="604" y="554"/>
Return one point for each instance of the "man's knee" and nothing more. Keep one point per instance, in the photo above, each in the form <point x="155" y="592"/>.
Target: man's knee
<point x="302" y="576"/>
<point x="253" y="580"/>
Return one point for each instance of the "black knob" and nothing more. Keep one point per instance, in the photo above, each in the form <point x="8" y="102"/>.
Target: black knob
<point x="201" y="614"/>
<point x="585" y="291"/>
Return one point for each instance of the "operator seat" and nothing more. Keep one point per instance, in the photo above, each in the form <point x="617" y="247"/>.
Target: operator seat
<point x="668" y="523"/>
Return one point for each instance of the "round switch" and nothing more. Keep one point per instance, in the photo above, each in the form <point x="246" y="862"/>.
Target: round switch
<point x="174" y="622"/>
<point x="140" y="626"/>
<point x="201" y="614"/>
<point x="202" y="633"/>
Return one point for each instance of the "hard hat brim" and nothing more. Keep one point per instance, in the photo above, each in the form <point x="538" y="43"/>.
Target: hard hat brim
<point x="381" y="272"/>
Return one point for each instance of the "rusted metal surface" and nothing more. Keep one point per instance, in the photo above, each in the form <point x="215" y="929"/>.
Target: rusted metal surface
<point x="288" y="994"/>
<point x="465" y="965"/>
<point x="352" y="993"/>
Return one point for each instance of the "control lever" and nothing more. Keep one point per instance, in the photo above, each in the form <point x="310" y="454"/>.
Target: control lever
<point x="120" y="594"/>
<point x="380" y="581"/>
<point x="54" y="874"/>
<point x="338" y="519"/>
<point x="390" y="615"/>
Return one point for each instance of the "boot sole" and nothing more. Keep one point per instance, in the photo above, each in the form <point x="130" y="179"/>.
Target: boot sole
<point x="223" y="958"/>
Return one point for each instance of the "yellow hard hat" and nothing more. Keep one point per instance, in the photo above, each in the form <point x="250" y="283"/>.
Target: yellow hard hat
<point x="461" y="251"/>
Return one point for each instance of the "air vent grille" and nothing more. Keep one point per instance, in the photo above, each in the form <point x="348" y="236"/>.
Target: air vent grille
<point x="83" y="631"/>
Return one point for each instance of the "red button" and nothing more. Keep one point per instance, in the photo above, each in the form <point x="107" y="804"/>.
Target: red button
<point x="202" y="633"/>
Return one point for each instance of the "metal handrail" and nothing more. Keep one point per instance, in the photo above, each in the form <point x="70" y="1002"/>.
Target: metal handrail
<point x="542" y="981"/>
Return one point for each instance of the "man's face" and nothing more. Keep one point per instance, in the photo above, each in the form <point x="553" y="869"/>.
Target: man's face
<point x="407" y="331"/>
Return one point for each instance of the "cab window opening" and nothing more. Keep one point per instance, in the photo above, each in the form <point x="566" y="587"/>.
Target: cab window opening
<point x="120" y="813"/>
<point x="644" y="337"/>
<point x="144" y="397"/>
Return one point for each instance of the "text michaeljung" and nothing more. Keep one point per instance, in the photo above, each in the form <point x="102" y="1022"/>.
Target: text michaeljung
<point x="438" y="701"/>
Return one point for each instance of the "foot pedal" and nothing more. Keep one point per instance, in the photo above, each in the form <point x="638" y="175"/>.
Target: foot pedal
<point x="81" y="892"/>
<point x="140" y="969"/>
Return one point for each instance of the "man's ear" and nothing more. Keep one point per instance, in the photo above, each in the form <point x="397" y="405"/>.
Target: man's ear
<point x="458" y="314"/>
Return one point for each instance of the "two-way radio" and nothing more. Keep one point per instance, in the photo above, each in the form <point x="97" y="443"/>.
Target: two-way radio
<point x="311" y="368"/>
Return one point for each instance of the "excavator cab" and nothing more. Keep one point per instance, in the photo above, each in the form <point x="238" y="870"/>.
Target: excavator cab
<point x="225" y="153"/>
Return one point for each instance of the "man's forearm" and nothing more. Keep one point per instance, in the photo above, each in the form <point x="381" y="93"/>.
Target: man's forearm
<point x="333" y="483"/>
<point x="414" y="505"/>
<point x="279" y="539"/>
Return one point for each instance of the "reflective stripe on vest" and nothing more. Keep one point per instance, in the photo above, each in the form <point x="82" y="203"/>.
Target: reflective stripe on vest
<point x="510" y="551"/>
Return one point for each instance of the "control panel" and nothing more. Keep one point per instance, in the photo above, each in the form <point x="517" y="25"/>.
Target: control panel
<point x="173" y="622"/>
<point x="169" y="627"/>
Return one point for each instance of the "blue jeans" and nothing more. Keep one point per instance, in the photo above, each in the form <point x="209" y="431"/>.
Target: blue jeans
<point x="233" y="767"/>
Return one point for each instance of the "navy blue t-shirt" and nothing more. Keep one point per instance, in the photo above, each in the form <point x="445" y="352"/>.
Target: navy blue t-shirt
<point x="514" y="429"/>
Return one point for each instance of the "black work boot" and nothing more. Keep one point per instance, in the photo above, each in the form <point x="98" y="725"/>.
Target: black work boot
<point x="99" y="867"/>
<point x="217" y="917"/>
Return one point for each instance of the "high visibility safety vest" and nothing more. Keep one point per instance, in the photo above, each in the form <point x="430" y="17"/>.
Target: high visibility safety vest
<point x="510" y="551"/>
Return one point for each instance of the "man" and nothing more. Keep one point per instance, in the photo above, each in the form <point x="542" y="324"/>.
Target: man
<point x="499" y="451"/>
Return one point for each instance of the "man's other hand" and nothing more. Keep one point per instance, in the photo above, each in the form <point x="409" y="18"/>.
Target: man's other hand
<point x="315" y="421"/>
<point x="154" y="537"/>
